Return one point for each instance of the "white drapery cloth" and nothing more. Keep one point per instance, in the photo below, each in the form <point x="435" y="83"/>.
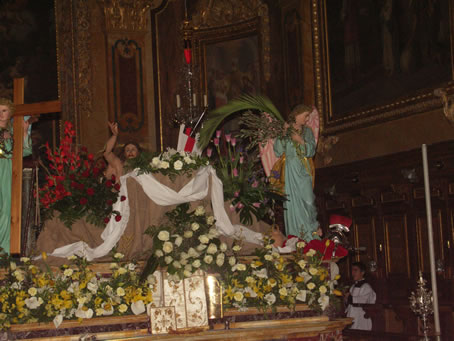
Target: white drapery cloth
<point x="194" y="190"/>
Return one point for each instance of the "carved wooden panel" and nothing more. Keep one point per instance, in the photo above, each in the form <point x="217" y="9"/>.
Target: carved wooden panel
<point x="396" y="245"/>
<point x="422" y="238"/>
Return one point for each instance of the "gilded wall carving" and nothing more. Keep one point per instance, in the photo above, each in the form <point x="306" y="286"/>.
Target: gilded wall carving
<point x="212" y="14"/>
<point x="127" y="15"/>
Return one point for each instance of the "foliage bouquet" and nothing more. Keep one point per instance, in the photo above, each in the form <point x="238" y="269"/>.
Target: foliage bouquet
<point x="270" y="280"/>
<point x="75" y="187"/>
<point x="243" y="179"/>
<point x="170" y="163"/>
<point x="187" y="242"/>
<point x="28" y="294"/>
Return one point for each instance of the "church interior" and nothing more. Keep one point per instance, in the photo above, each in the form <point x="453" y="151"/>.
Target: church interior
<point x="379" y="73"/>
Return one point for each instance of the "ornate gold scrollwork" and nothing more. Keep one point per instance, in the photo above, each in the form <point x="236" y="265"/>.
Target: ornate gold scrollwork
<point x="127" y="15"/>
<point x="211" y="14"/>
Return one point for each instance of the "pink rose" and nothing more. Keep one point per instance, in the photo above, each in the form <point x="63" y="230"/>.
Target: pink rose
<point x="227" y="137"/>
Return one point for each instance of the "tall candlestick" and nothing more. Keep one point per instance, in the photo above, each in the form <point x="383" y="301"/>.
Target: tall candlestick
<point x="178" y="102"/>
<point x="433" y="274"/>
<point x="194" y="100"/>
<point x="205" y="100"/>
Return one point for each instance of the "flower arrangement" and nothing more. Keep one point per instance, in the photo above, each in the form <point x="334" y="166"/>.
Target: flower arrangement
<point x="270" y="280"/>
<point x="29" y="294"/>
<point x="186" y="243"/>
<point x="170" y="163"/>
<point x="75" y="187"/>
<point x="243" y="180"/>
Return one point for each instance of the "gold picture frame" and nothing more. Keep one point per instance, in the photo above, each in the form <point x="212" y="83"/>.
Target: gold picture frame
<point x="365" y="76"/>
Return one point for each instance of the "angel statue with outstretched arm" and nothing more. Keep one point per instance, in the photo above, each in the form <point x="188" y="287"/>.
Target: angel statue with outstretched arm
<point x="290" y="146"/>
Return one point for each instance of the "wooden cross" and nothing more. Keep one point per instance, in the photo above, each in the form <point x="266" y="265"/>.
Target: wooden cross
<point x="22" y="109"/>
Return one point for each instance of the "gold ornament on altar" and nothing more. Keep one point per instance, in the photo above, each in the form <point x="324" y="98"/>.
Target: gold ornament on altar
<point x="214" y="297"/>
<point x="448" y="104"/>
<point x="421" y="303"/>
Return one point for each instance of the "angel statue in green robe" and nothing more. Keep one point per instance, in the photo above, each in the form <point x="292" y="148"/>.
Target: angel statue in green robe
<point x="294" y="142"/>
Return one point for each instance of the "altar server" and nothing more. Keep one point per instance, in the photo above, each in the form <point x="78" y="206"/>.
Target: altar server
<point x="360" y="293"/>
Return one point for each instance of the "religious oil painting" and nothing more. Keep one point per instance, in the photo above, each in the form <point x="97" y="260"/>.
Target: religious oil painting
<point x="382" y="51"/>
<point x="233" y="68"/>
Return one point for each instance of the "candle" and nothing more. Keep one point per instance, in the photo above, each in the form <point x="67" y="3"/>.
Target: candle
<point x="178" y="101"/>
<point x="205" y="100"/>
<point x="194" y="100"/>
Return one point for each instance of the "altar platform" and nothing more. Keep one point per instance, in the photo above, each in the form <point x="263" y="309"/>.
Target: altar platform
<point x="307" y="329"/>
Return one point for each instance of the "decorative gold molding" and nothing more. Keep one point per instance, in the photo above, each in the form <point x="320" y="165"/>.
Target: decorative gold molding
<point x="127" y="15"/>
<point x="211" y="14"/>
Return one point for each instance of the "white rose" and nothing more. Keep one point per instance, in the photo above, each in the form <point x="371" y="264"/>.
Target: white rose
<point x="268" y="257"/>
<point x="313" y="271"/>
<point x="119" y="255"/>
<point x="196" y="263"/>
<point x="122" y="271"/>
<point x="241" y="267"/>
<point x="188" y="267"/>
<point x="200" y="210"/>
<point x="122" y="308"/>
<point x="120" y="291"/>
<point x="164" y="235"/>
<point x="178" y="241"/>
<point x="178" y="165"/>
<point x="324" y="301"/>
<point x="210" y="220"/>
<point x="12" y="266"/>
<point x="164" y="165"/>
<point x="184" y="255"/>
<point x="283" y="292"/>
<point x="188" y="234"/>
<point x="93" y="287"/>
<point x="310" y="285"/>
<point x="155" y="161"/>
<point x="208" y="259"/>
<point x="25" y="259"/>
<point x="68" y="272"/>
<point x="193" y="253"/>
<point x="167" y="247"/>
<point x="176" y="265"/>
<point x="238" y="296"/>
<point x="212" y="249"/>
<point x="213" y="232"/>
<point x="184" y="261"/>
<point x="322" y="289"/>
<point x="204" y="239"/>
<point x="195" y="226"/>
<point x="159" y="253"/>
<point x="33" y="302"/>
<point x="187" y="159"/>
<point x="168" y="259"/>
<point x="201" y="247"/>
<point x="261" y="273"/>
<point x="310" y="253"/>
<point x="232" y="260"/>
<point x="220" y="259"/>
<point x="236" y="248"/>
<point x="302" y="263"/>
<point x="187" y="273"/>
<point x="32" y="291"/>
<point x="300" y="245"/>
<point x="223" y="247"/>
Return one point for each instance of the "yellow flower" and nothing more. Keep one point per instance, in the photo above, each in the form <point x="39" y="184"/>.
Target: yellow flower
<point x="32" y="291"/>
<point x="229" y="293"/>
<point x="120" y="291"/>
<point x="327" y="242"/>
<point x="283" y="292"/>
<point x="337" y="277"/>
<point x="337" y="292"/>
<point x="299" y="279"/>
<point x="272" y="282"/>
<point x="285" y="278"/>
<point x="44" y="255"/>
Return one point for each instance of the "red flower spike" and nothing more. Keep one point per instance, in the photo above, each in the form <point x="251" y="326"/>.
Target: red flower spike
<point x="83" y="201"/>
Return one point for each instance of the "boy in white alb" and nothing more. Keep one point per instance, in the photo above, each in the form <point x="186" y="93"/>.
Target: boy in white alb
<point x="359" y="294"/>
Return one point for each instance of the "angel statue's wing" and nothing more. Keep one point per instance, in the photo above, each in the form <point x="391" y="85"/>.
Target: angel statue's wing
<point x="314" y="123"/>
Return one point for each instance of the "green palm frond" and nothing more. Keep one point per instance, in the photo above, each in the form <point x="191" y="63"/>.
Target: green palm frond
<point x="245" y="102"/>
